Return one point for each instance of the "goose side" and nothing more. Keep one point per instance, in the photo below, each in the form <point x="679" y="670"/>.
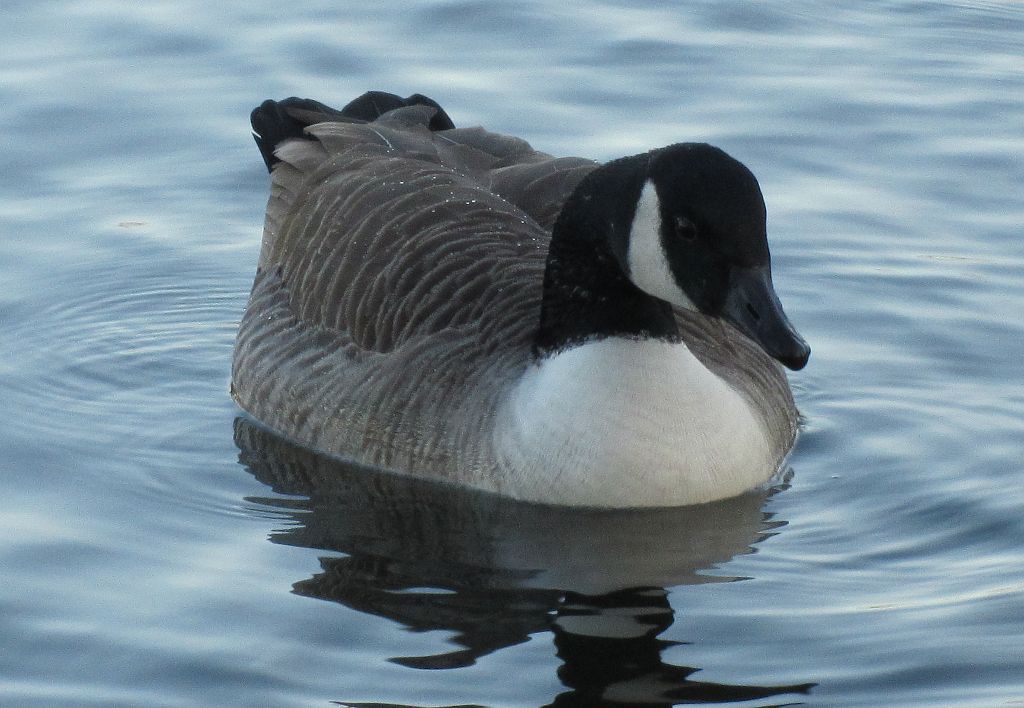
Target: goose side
<point x="449" y="302"/>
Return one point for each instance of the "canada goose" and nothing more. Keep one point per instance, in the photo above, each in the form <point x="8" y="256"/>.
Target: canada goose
<point x="449" y="302"/>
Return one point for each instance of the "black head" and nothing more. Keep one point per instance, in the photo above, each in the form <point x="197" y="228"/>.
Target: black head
<point x="698" y="240"/>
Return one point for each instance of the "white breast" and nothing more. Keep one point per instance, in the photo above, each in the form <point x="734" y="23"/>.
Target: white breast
<point x="629" y="423"/>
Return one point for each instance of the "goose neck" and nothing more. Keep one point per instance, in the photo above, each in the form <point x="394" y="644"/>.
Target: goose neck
<point x="587" y="294"/>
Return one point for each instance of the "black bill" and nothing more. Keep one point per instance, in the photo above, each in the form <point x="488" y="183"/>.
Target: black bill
<point x="754" y="308"/>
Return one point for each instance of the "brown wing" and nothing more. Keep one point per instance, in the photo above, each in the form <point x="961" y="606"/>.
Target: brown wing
<point x="399" y="280"/>
<point x="387" y="231"/>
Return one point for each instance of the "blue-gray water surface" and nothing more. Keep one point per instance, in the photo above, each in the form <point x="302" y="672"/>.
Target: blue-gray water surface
<point x="160" y="550"/>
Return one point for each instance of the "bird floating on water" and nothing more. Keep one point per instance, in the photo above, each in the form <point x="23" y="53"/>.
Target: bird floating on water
<point x="451" y="303"/>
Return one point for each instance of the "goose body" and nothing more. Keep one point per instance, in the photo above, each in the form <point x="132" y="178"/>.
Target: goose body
<point x="412" y="310"/>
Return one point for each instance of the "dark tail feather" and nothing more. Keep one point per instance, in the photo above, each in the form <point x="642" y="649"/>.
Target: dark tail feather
<point x="273" y="122"/>
<point x="276" y="121"/>
<point x="373" y="104"/>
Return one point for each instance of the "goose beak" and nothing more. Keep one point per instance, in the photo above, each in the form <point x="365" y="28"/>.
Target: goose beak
<point x="754" y="308"/>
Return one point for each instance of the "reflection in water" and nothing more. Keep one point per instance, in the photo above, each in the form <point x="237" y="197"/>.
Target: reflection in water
<point x="494" y="571"/>
<point x="612" y="655"/>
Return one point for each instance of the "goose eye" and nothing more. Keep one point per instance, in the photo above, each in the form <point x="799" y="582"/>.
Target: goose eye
<point x="685" y="229"/>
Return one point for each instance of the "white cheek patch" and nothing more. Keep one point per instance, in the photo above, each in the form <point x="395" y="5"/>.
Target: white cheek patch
<point x="648" y="264"/>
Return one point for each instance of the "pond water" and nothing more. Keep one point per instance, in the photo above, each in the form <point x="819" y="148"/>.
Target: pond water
<point x="160" y="550"/>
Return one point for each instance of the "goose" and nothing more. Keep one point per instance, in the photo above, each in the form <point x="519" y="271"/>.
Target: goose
<point x="451" y="303"/>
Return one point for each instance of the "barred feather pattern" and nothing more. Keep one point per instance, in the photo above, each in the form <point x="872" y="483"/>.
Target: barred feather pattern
<point x="398" y="291"/>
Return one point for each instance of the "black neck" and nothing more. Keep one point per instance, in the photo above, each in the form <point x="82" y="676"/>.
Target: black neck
<point x="587" y="294"/>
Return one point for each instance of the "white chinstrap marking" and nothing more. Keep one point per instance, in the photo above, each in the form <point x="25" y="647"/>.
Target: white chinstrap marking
<point x="648" y="265"/>
<point x="623" y="422"/>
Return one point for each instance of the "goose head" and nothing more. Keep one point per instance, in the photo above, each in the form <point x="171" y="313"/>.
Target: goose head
<point x="698" y="240"/>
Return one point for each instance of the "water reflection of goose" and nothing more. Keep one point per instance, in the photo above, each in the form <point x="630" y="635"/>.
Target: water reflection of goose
<point x="494" y="571"/>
